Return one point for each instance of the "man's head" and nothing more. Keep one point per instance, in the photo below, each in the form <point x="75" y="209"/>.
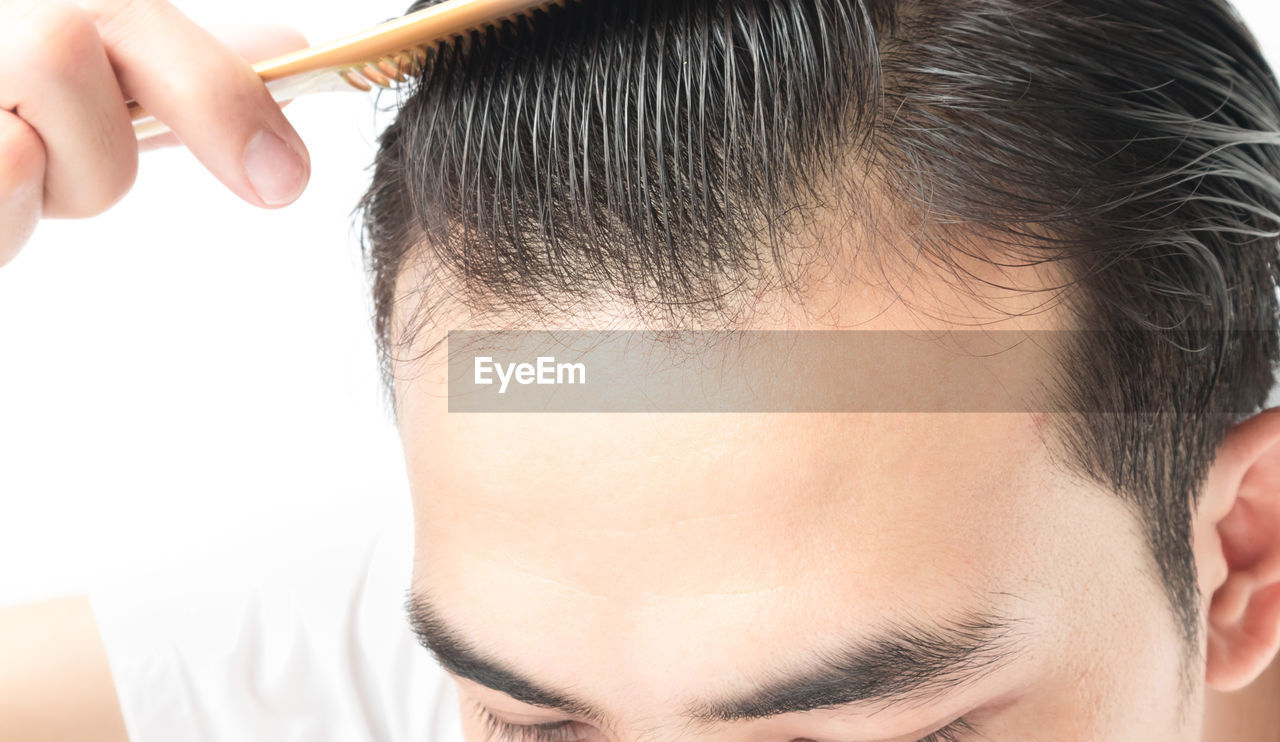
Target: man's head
<point x="854" y="165"/>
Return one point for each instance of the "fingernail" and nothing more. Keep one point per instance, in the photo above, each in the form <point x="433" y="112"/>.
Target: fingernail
<point x="277" y="173"/>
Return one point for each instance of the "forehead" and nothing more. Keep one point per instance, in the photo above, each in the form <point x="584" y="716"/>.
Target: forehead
<point x="741" y="502"/>
<point x="645" y="479"/>
<point x="550" y="489"/>
<point x="703" y="545"/>
<point x="647" y="559"/>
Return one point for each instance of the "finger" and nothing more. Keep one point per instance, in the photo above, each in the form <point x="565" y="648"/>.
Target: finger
<point x="207" y="95"/>
<point x="169" y="139"/>
<point x="253" y="44"/>
<point x="55" y="75"/>
<point x="22" y="163"/>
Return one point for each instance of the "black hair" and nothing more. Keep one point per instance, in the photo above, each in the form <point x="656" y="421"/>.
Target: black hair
<point x="670" y="152"/>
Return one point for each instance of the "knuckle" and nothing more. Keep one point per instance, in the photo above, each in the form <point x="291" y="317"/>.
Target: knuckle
<point x="22" y="161"/>
<point x="56" y="39"/>
<point x="120" y="20"/>
<point x="107" y="11"/>
<point x="22" y="155"/>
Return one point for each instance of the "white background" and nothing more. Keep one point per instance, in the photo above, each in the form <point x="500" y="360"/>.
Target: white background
<point x="189" y="380"/>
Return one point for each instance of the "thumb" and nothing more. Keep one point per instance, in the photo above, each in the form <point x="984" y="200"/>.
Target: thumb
<point x="253" y="43"/>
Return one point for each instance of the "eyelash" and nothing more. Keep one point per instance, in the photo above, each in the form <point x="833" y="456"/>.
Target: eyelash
<point x="564" y="731"/>
<point x="557" y="731"/>
<point x="956" y="731"/>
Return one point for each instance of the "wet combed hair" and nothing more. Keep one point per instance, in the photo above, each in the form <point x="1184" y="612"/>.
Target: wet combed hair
<point x="669" y="152"/>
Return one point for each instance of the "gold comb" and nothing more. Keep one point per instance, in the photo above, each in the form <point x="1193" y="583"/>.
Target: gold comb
<point x="381" y="56"/>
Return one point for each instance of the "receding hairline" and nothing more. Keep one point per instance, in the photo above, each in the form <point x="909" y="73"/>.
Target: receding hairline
<point x="1138" y="146"/>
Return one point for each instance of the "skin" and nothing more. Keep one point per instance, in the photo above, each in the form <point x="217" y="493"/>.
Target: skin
<point x="67" y="147"/>
<point x="645" y="562"/>
<point x="722" y="579"/>
<point x="54" y="660"/>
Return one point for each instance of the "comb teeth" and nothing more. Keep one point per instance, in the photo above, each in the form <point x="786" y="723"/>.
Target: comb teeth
<point x="385" y="72"/>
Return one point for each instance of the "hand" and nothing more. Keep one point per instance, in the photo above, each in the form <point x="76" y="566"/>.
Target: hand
<point x="67" y="147"/>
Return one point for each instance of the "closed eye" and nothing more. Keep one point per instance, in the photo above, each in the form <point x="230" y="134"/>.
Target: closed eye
<point x="957" y="731"/>
<point x="498" y="730"/>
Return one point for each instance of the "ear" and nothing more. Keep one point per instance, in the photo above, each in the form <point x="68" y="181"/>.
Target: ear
<point x="1237" y="544"/>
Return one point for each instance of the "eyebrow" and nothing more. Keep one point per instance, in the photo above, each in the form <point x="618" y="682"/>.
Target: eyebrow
<point x="903" y="663"/>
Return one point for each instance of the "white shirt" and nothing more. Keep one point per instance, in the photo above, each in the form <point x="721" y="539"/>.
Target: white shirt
<point x="314" y="647"/>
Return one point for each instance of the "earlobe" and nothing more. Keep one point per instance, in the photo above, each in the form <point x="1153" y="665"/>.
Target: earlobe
<point x="1244" y="611"/>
